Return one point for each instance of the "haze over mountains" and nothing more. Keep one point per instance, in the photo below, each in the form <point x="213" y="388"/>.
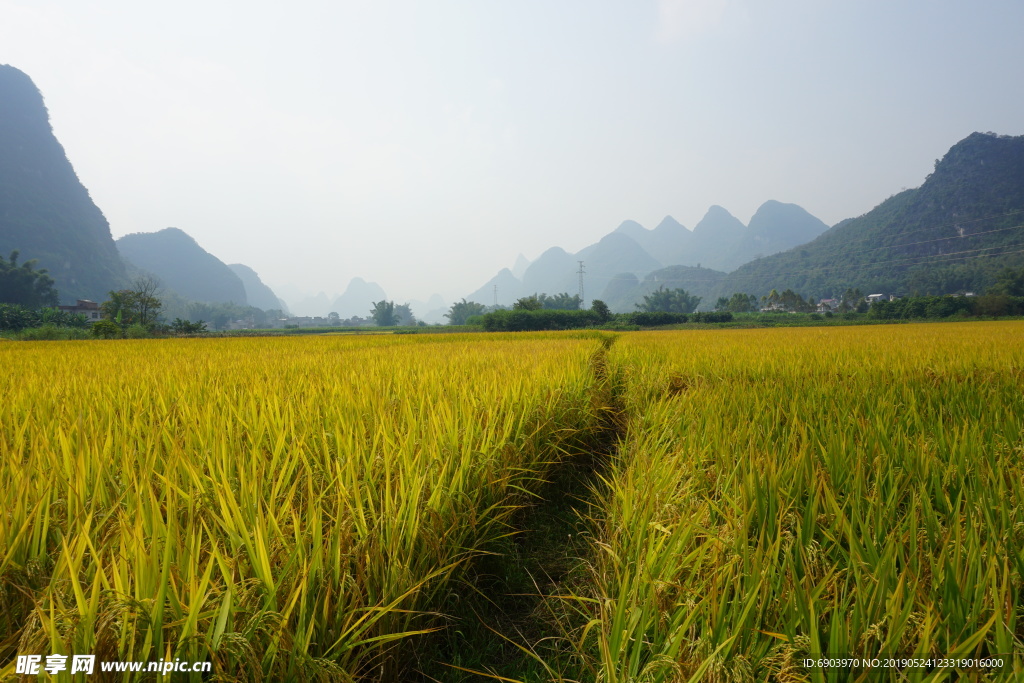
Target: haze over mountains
<point x="950" y="235"/>
<point x="256" y="292"/>
<point x="182" y="265"/>
<point x="616" y="265"/>
<point x="953" y="234"/>
<point x="47" y="214"/>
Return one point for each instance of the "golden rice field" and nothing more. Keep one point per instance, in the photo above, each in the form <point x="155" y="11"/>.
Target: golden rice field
<point x="779" y="494"/>
<point x="283" y="507"/>
<point x="307" y="509"/>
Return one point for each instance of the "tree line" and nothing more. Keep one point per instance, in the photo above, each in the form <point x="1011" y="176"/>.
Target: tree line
<point x="28" y="300"/>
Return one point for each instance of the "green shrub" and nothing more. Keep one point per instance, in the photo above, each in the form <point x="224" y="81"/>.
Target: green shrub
<point x="42" y="333"/>
<point x="51" y="333"/>
<point x="137" y="331"/>
<point x="655" y="318"/>
<point x="518" y="320"/>
<point x="712" y="317"/>
<point x="59" y="318"/>
<point x="106" y="329"/>
<point x="620" y="324"/>
<point x="15" y="317"/>
<point x="180" y="326"/>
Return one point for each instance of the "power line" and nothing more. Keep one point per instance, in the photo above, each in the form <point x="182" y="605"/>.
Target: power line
<point x="938" y="239"/>
<point x="933" y="228"/>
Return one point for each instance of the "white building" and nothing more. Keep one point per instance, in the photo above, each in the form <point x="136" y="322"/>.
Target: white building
<point x="90" y="309"/>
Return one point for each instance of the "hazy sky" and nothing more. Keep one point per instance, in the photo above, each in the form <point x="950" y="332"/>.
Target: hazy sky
<point x="423" y="145"/>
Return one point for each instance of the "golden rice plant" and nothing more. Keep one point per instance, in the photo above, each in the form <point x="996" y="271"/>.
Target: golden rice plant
<point x="286" y="508"/>
<point x="782" y="494"/>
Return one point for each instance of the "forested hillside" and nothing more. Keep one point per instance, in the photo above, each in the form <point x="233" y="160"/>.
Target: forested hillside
<point x="953" y="234"/>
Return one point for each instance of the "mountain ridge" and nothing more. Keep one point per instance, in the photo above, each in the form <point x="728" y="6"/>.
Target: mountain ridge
<point x="46" y="213"/>
<point x="719" y="242"/>
<point x="183" y="266"/>
<point x="257" y="293"/>
<point x="952" y="234"/>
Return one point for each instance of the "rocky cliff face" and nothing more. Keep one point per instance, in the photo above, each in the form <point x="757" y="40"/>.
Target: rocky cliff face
<point x="45" y="211"/>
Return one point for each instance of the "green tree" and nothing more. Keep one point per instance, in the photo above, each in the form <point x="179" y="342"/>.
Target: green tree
<point x="742" y="303"/>
<point x="793" y="302"/>
<point x="561" y="302"/>
<point x="147" y="305"/>
<point x="198" y="310"/>
<point x="528" y="303"/>
<point x="180" y="326"/>
<point x="460" y="312"/>
<point x="383" y="313"/>
<point x="16" y="317"/>
<point x="136" y="306"/>
<point x="602" y="310"/>
<point x="853" y="300"/>
<point x="106" y="329"/>
<point x="1009" y="282"/>
<point x="59" y="318"/>
<point x="403" y="315"/>
<point x="25" y="286"/>
<point x="119" y="307"/>
<point x="669" y="301"/>
<point x="220" y="318"/>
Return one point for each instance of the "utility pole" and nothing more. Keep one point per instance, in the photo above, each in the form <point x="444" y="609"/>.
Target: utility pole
<point x="580" y="273"/>
<point x="495" y="296"/>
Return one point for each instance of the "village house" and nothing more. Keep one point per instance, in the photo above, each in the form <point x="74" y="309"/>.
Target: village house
<point x="90" y="309"/>
<point x="828" y="305"/>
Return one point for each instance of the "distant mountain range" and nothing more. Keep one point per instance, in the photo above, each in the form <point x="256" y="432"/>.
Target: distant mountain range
<point x="953" y="234"/>
<point x="623" y="265"/>
<point x="46" y="214"/>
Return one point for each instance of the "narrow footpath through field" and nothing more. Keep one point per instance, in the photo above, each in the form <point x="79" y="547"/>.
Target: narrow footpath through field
<point x="511" y="617"/>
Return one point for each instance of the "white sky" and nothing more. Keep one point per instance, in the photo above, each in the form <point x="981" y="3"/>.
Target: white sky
<point x="423" y="145"/>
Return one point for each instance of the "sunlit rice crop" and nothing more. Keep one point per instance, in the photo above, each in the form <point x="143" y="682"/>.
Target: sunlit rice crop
<point x="285" y="508"/>
<point x="785" y="493"/>
<point x="301" y="508"/>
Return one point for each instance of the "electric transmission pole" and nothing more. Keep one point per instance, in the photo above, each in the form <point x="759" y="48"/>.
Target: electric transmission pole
<point x="580" y="273"/>
<point x="495" y="296"/>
